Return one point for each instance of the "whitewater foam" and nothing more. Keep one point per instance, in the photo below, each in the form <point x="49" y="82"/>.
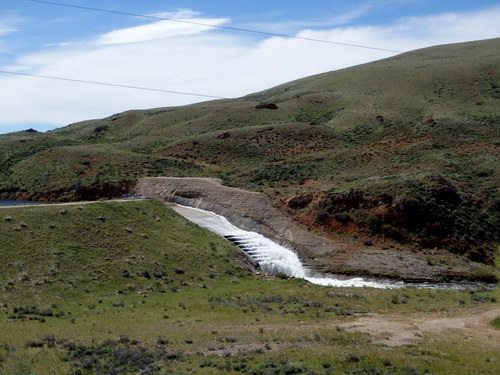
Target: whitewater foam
<point x="271" y="257"/>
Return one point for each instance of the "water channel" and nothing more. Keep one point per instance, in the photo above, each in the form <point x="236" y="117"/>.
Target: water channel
<point x="17" y="203"/>
<point x="274" y="258"/>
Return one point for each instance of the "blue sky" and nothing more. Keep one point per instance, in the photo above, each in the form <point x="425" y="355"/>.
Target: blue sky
<point x="57" y="41"/>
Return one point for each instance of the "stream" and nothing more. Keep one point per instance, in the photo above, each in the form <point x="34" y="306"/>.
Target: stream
<point x="274" y="258"/>
<point x="271" y="257"/>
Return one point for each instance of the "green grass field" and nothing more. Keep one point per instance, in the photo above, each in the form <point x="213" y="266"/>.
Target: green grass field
<point x="132" y="288"/>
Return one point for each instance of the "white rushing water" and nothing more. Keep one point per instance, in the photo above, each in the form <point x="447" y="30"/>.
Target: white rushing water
<point x="270" y="256"/>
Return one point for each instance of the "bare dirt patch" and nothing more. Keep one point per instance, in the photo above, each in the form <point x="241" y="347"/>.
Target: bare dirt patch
<point x="407" y="330"/>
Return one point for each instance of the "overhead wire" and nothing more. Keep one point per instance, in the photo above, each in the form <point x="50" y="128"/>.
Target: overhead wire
<point x="111" y="84"/>
<point x="159" y="18"/>
<point x="231" y="28"/>
<point x="177" y="21"/>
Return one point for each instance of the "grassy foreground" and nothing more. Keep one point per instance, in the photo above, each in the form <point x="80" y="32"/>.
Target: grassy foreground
<point x="131" y="288"/>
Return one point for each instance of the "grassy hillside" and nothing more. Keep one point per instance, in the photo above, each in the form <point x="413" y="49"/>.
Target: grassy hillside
<point x="131" y="288"/>
<point x="100" y="247"/>
<point x="414" y="138"/>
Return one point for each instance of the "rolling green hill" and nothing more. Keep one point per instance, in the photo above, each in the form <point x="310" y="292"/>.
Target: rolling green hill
<point x="401" y="151"/>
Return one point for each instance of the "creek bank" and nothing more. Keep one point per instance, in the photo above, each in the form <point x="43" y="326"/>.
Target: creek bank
<point x="254" y="211"/>
<point x="434" y="214"/>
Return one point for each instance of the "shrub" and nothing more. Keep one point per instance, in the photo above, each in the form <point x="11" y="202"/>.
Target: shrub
<point x="50" y="340"/>
<point x="179" y="271"/>
<point x="397" y="300"/>
<point x="321" y="216"/>
<point x="486" y="274"/>
<point x="145" y="274"/>
<point x="393" y="232"/>
<point x="342" y="217"/>
<point x="273" y="367"/>
<point x="162" y="341"/>
<point x="386" y="198"/>
<point x="126" y="274"/>
<point x="34" y="344"/>
<point x="374" y="224"/>
<point x="410" y="371"/>
<point x="386" y="362"/>
<point x="352" y="358"/>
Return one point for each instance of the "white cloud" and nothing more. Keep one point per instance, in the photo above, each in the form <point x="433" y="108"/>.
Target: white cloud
<point x="7" y="22"/>
<point x="453" y="27"/>
<point x="181" y="23"/>
<point x="5" y="29"/>
<point x="349" y="16"/>
<point x="201" y="61"/>
<point x="337" y="20"/>
<point x="417" y="32"/>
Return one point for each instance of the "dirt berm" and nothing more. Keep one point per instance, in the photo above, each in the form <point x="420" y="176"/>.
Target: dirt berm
<point x="254" y="211"/>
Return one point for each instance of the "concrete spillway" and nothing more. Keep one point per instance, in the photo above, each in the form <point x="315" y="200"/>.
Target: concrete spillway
<point x="271" y="257"/>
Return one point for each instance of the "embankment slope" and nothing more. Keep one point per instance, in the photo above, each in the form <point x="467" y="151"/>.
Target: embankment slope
<point x="254" y="211"/>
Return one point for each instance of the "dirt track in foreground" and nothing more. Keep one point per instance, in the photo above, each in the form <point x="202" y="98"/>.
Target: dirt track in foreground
<point x="408" y="329"/>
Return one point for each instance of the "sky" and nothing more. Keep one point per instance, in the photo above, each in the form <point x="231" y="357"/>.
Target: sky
<point x="136" y="43"/>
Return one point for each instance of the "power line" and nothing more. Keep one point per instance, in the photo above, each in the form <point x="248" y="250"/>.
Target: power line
<point x="215" y="26"/>
<point x="112" y="84"/>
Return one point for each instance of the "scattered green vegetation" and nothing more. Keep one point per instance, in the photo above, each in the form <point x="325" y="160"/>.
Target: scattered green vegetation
<point x="403" y="150"/>
<point x="80" y="247"/>
<point x="80" y="294"/>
